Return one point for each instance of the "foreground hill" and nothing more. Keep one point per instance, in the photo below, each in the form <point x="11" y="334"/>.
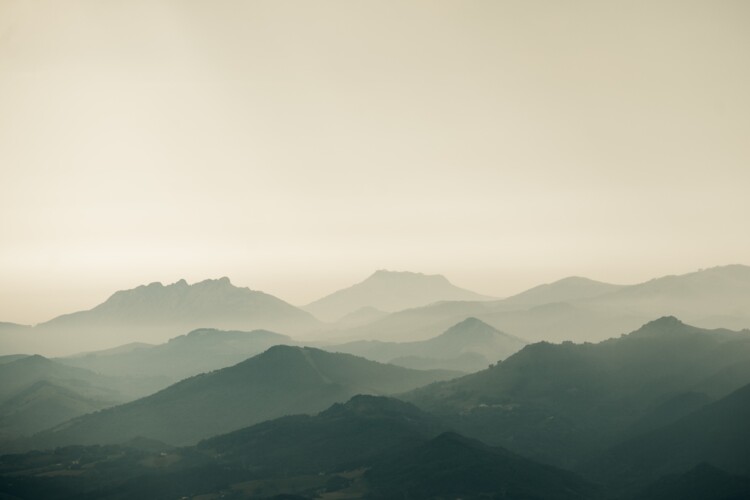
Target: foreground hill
<point x="717" y="434"/>
<point x="346" y="435"/>
<point x="199" y="351"/>
<point x="452" y="465"/>
<point x="704" y="482"/>
<point x="281" y="381"/>
<point x="563" y="403"/>
<point x="467" y="346"/>
<point x="369" y="447"/>
<point x="155" y="313"/>
<point x="37" y="393"/>
<point x="389" y="291"/>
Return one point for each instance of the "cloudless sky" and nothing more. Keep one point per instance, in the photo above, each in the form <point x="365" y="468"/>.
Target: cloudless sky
<point x="299" y="146"/>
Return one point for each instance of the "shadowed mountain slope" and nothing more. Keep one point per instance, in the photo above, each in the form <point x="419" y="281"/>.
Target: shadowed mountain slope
<point x="37" y="393"/>
<point x="717" y="434"/>
<point x="345" y="435"/>
<point x="368" y="447"/>
<point x="451" y="465"/>
<point x="281" y="381"/>
<point x="562" y="403"/>
<point x="704" y="482"/>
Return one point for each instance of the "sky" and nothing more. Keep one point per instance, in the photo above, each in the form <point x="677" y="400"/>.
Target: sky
<point x="297" y="147"/>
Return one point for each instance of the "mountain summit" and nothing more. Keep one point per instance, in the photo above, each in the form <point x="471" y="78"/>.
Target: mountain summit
<point x="156" y="312"/>
<point x="390" y="291"/>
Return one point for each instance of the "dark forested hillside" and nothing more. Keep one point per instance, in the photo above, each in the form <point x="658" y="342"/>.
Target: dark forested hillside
<point x="281" y="381"/>
<point x="564" y="402"/>
<point x="369" y="447"/>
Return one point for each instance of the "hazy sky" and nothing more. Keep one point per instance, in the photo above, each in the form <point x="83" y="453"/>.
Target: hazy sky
<point x="298" y="146"/>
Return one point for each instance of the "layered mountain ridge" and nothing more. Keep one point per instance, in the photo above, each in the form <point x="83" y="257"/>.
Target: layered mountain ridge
<point x="389" y="291"/>
<point x="156" y="312"/>
<point x="283" y="380"/>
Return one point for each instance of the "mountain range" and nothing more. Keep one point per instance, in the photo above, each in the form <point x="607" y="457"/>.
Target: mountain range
<point x="283" y="380"/>
<point x="566" y="402"/>
<point x="579" y="309"/>
<point x="465" y="347"/>
<point x="199" y="351"/>
<point x="154" y="313"/>
<point x="393" y="307"/>
<point x="656" y="413"/>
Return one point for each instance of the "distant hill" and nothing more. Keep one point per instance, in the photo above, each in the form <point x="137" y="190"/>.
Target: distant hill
<point x="361" y="316"/>
<point x="569" y="289"/>
<point x="711" y="298"/>
<point x="389" y="291"/>
<point x="554" y="322"/>
<point x="155" y="313"/>
<point x="5" y="326"/>
<point x="418" y="323"/>
<point x="26" y="371"/>
<point x="467" y="346"/>
<point x="8" y="358"/>
<point x="368" y="447"/>
<point x="199" y="351"/>
<point x="43" y="405"/>
<point x="38" y="393"/>
<point x="580" y="309"/>
<point x="281" y="381"/>
<point x="563" y="403"/>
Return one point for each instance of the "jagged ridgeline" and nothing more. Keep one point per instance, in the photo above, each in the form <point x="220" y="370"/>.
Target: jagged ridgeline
<point x="155" y="313"/>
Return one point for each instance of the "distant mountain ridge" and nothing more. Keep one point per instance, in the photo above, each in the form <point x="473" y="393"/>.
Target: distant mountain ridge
<point x="568" y="289"/>
<point x="198" y="351"/>
<point x="466" y="346"/>
<point x="155" y="312"/>
<point x="216" y="302"/>
<point x="572" y="308"/>
<point x="37" y="393"/>
<point x="717" y="297"/>
<point x="389" y="291"/>
<point x="580" y="309"/>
